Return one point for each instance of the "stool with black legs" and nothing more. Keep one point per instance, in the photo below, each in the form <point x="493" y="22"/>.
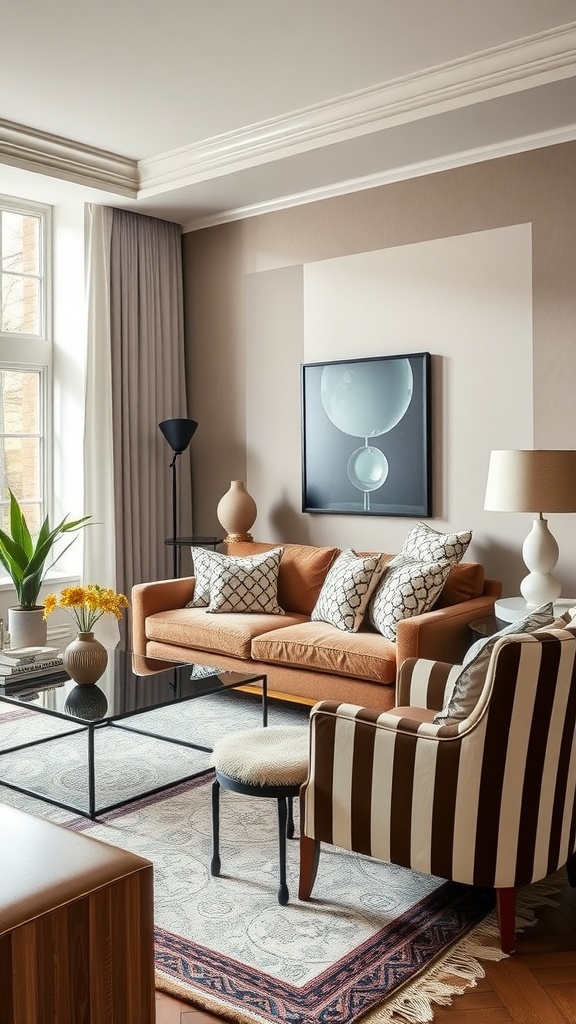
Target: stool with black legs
<point x="270" y="762"/>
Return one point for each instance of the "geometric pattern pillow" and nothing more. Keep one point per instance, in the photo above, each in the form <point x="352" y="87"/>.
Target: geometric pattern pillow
<point x="427" y="545"/>
<point x="470" y="682"/>
<point x="235" y="588"/>
<point x="408" y="588"/>
<point x="346" y="590"/>
<point x="207" y="562"/>
<point x="204" y="562"/>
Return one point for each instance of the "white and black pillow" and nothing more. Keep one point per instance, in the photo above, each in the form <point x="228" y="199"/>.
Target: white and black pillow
<point x="207" y="563"/>
<point x="423" y="544"/>
<point x="470" y="682"/>
<point x="204" y="562"/>
<point x="237" y="588"/>
<point x="345" y="593"/>
<point x="407" y="588"/>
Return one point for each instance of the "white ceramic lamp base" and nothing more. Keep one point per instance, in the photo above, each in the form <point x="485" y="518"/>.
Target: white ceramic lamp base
<point x="540" y="554"/>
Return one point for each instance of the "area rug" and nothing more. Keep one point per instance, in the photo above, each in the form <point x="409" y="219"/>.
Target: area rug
<point x="377" y="941"/>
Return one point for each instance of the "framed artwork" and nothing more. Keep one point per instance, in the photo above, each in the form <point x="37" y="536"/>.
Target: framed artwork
<point x="366" y="436"/>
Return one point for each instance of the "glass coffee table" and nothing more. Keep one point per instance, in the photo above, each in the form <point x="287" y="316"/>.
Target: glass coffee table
<point x="131" y="686"/>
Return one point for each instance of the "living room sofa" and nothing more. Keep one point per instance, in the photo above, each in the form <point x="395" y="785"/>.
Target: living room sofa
<point x="302" y="658"/>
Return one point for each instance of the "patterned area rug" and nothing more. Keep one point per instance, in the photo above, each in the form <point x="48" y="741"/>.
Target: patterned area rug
<point x="376" y="941"/>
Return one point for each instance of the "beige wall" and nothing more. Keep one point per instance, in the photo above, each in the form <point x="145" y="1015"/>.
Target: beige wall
<point x="485" y="280"/>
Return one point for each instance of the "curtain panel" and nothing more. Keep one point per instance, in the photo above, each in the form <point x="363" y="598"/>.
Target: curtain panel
<point x="142" y="384"/>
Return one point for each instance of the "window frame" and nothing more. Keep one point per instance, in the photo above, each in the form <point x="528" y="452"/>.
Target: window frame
<point x="25" y="351"/>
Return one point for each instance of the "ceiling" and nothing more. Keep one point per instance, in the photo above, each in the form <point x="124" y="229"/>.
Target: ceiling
<point x="202" y="111"/>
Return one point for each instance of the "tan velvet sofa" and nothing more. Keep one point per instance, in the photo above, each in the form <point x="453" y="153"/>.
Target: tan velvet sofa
<point x="301" y="657"/>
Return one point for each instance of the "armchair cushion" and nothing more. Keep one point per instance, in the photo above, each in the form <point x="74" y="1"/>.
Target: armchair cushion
<point x="470" y="682"/>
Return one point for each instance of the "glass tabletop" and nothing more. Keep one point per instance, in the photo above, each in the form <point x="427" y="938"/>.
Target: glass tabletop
<point x="130" y="684"/>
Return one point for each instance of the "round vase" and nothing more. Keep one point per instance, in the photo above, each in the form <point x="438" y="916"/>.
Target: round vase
<point x="236" y="512"/>
<point x="85" y="659"/>
<point x="27" y="627"/>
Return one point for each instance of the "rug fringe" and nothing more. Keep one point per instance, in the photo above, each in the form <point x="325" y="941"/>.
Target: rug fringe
<point x="439" y="984"/>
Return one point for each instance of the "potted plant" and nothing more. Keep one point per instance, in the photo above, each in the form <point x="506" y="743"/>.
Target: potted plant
<point x="25" y="562"/>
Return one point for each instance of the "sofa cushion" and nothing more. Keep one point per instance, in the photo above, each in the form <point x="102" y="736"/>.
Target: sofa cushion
<point x="346" y="590"/>
<point x="207" y="562"/>
<point x="324" y="648"/>
<point x="423" y="544"/>
<point x="465" y="582"/>
<point x="407" y="588"/>
<point x="227" y="633"/>
<point x="255" y="589"/>
<point x="469" y="684"/>
<point x="302" y="572"/>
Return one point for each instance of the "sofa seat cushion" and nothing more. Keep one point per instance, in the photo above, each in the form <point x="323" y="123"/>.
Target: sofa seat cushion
<point x="324" y="648"/>
<point x="227" y="633"/>
<point x="302" y="571"/>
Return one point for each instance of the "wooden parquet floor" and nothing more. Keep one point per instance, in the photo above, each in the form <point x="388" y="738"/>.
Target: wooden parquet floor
<point x="536" y="985"/>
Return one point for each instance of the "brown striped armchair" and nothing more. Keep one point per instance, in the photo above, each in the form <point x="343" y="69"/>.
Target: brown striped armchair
<point x="489" y="801"/>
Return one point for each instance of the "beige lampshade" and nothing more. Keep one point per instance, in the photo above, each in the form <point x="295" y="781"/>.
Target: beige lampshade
<point x="531" y="481"/>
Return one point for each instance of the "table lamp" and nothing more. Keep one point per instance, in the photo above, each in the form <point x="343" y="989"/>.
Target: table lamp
<point x="534" y="481"/>
<point x="178" y="432"/>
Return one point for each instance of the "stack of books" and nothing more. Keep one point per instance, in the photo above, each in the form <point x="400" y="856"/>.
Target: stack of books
<point x="21" y="664"/>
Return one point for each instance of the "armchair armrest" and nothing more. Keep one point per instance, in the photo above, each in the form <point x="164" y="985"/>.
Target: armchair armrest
<point x="361" y="760"/>
<point x="158" y="596"/>
<point x="425" y="684"/>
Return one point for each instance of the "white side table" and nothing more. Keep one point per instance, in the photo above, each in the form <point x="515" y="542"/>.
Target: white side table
<point x="509" y="609"/>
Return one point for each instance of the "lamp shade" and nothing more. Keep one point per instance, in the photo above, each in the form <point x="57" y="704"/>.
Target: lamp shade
<point x="178" y="433"/>
<point x="531" y="481"/>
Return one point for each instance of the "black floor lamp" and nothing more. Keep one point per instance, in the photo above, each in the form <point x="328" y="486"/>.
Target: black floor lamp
<point x="178" y="433"/>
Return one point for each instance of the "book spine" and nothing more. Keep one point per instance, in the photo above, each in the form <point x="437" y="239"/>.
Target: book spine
<point x="29" y="669"/>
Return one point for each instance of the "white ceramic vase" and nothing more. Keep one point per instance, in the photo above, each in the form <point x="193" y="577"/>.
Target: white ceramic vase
<point x="27" y="627"/>
<point x="236" y="512"/>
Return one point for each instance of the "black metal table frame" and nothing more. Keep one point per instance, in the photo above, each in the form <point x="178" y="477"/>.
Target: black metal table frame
<point x="91" y="727"/>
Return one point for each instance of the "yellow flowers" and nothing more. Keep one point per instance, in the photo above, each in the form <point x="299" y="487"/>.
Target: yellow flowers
<point x="86" y="604"/>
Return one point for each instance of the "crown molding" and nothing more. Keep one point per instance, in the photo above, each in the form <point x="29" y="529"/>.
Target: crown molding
<point x="57" y="157"/>
<point x="519" y="65"/>
<point x="414" y="170"/>
<point x="513" y="67"/>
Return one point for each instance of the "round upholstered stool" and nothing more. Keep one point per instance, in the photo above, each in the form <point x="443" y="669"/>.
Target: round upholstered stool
<point x="269" y="762"/>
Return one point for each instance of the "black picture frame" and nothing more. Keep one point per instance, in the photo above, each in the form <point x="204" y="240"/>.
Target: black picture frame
<point x="343" y="469"/>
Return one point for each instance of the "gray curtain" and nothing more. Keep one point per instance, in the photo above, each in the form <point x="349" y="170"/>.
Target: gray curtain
<point x="148" y="385"/>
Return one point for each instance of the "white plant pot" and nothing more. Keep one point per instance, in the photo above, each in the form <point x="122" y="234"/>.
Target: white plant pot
<point x="27" y="627"/>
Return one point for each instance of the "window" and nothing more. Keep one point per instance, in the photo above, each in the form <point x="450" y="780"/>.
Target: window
<point x="25" y="357"/>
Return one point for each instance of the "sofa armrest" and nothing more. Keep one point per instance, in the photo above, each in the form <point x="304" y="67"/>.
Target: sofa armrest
<point x="425" y="684"/>
<point x="442" y="633"/>
<point x="158" y="596"/>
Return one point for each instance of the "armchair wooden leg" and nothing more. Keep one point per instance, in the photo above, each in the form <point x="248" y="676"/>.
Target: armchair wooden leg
<point x="309" y="857"/>
<point x="571" y="870"/>
<point x="506" y="908"/>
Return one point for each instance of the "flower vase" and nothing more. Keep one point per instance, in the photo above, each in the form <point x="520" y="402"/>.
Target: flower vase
<point x="85" y="659"/>
<point x="236" y="512"/>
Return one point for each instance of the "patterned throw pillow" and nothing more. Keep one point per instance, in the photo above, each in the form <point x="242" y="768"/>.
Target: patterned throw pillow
<point x="470" y="683"/>
<point x="408" y="588"/>
<point x="235" y="588"/>
<point x="207" y="562"/>
<point x="423" y="544"/>
<point x="204" y="561"/>
<point x="346" y="590"/>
